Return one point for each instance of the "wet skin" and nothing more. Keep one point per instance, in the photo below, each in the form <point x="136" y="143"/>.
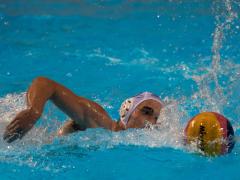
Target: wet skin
<point x="83" y="112"/>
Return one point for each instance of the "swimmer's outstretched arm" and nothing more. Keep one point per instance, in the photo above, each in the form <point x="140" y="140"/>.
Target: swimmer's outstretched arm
<point x="83" y="112"/>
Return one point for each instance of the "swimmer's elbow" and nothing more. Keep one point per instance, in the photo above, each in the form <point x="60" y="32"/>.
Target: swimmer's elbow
<point x="41" y="79"/>
<point x="43" y="84"/>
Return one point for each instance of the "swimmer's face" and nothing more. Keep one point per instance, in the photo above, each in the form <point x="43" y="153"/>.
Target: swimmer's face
<point x="146" y="112"/>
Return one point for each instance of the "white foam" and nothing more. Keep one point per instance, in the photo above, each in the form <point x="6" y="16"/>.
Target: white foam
<point x="10" y="105"/>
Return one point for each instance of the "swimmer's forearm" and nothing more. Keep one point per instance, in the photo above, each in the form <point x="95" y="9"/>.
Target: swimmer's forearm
<point x="39" y="92"/>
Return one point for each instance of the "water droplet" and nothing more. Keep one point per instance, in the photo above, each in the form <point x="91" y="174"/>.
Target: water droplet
<point x="69" y="75"/>
<point x="29" y="54"/>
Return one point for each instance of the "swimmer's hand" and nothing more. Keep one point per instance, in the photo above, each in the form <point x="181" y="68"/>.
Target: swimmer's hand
<point x="20" y="125"/>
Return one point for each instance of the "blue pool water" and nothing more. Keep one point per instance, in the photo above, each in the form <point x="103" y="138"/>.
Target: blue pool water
<point x="185" y="51"/>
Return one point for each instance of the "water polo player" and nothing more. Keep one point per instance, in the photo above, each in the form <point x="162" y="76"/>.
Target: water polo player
<point x="135" y="112"/>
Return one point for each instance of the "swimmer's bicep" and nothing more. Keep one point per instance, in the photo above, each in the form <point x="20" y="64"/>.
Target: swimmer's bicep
<point x="79" y="108"/>
<point x="70" y="103"/>
<point x="94" y="110"/>
<point x="96" y="115"/>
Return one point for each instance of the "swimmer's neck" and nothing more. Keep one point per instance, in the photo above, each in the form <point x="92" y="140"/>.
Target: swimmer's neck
<point x="117" y="126"/>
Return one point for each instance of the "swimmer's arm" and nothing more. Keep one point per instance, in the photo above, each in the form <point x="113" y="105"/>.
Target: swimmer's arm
<point x="85" y="113"/>
<point x="69" y="126"/>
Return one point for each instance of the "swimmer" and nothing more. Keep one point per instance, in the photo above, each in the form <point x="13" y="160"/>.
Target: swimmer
<point x="135" y="112"/>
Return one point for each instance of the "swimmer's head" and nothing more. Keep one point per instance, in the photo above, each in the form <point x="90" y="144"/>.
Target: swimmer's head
<point x="142" y="109"/>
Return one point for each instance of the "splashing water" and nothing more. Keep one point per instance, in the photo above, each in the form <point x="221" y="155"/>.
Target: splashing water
<point x="39" y="143"/>
<point x="218" y="38"/>
<point x="214" y="81"/>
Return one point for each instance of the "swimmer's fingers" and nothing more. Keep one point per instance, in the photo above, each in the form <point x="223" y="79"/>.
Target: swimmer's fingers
<point x="12" y="128"/>
<point x="14" y="131"/>
<point x="12" y="135"/>
<point x="23" y="122"/>
<point x="13" y="124"/>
